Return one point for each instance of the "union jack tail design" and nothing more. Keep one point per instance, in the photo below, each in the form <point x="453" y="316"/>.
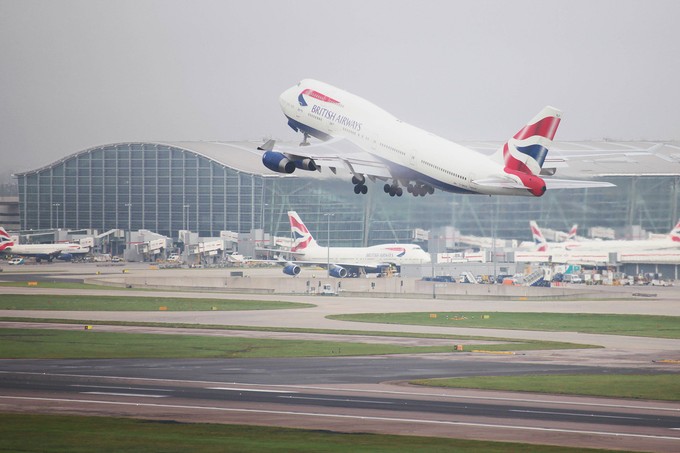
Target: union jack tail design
<point x="525" y="152"/>
<point x="539" y="240"/>
<point x="675" y="232"/>
<point x="5" y="239"/>
<point x="572" y="233"/>
<point x="302" y="238"/>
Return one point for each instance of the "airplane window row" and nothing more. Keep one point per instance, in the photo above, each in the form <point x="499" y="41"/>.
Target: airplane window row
<point x="442" y="169"/>
<point x="393" y="149"/>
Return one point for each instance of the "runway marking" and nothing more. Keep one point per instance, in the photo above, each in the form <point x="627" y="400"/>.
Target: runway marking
<point x="574" y="414"/>
<point x="125" y="394"/>
<point x="344" y="400"/>
<point x="118" y="387"/>
<point x="387" y="392"/>
<point x="352" y="417"/>
<point x="249" y="390"/>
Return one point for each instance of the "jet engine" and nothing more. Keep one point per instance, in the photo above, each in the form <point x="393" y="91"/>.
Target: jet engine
<point x="337" y="272"/>
<point x="278" y="162"/>
<point x="291" y="269"/>
<point x="65" y="256"/>
<point x="306" y="164"/>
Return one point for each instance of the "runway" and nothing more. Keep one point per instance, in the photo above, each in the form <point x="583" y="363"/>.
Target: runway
<point x="359" y="394"/>
<point x="342" y="394"/>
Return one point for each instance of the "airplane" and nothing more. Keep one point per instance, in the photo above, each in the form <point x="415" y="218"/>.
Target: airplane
<point x="64" y="251"/>
<point x="345" y="261"/>
<point x="670" y="241"/>
<point x="374" y="145"/>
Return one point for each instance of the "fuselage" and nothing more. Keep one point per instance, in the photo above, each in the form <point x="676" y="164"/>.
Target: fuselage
<point x="398" y="254"/>
<point x="45" y="249"/>
<point x="324" y="111"/>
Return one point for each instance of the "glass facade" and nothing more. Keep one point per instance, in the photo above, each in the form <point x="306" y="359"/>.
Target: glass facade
<point x="166" y="188"/>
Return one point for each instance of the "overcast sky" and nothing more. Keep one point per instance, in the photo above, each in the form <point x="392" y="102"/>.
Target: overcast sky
<point x="76" y="74"/>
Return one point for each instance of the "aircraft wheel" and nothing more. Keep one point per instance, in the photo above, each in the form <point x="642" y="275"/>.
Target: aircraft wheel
<point x="357" y="189"/>
<point x="430" y="190"/>
<point x="399" y="191"/>
<point x="364" y="189"/>
<point x="386" y="188"/>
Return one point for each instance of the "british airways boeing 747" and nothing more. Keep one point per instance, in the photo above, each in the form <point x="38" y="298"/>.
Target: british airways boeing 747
<point x="374" y="145"/>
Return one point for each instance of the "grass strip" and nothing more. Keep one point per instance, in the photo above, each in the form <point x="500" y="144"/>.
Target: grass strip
<point x="608" y="324"/>
<point x="135" y="303"/>
<point x="503" y="344"/>
<point x="91" y="344"/>
<point x="77" y="434"/>
<point x="664" y="387"/>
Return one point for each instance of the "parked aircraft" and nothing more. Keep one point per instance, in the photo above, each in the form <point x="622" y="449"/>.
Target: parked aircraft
<point x="344" y="261"/>
<point x="372" y="144"/>
<point x="40" y="252"/>
<point x="671" y="241"/>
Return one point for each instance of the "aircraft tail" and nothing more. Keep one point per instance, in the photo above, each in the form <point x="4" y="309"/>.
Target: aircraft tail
<point x="539" y="239"/>
<point x="675" y="232"/>
<point x="526" y="151"/>
<point x="302" y="238"/>
<point x="572" y="233"/>
<point x="5" y="239"/>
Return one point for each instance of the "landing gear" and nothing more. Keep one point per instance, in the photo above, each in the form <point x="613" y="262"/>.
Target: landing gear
<point x="359" y="184"/>
<point x="393" y="189"/>
<point x="305" y="141"/>
<point x="420" y="190"/>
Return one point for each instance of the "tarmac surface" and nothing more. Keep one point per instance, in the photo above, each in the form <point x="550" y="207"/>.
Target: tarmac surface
<point x="359" y="394"/>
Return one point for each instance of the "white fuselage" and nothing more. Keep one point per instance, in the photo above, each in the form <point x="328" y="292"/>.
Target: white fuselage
<point x="617" y="245"/>
<point x="45" y="249"/>
<point x="410" y="152"/>
<point x="398" y="254"/>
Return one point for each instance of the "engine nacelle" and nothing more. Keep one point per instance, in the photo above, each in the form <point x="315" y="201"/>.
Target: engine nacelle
<point x="306" y="164"/>
<point x="291" y="269"/>
<point x="65" y="256"/>
<point x="278" y="162"/>
<point x="337" y="272"/>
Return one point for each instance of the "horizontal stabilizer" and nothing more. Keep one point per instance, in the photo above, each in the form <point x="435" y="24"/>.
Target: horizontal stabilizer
<point x="574" y="184"/>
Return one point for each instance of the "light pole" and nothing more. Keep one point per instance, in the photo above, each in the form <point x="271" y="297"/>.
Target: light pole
<point x="129" y="206"/>
<point x="185" y="214"/>
<point x="56" y="205"/>
<point x="328" y="242"/>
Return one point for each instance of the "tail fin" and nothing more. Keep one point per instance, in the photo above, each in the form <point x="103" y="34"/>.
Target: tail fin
<point x="302" y="238"/>
<point x="539" y="240"/>
<point x="525" y="152"/>
<point x="675" y="232"/>
<point x="5" y="239"/>
<point x="572" y="233"/>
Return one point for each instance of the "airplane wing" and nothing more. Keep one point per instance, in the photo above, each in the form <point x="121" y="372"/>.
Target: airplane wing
<point x="334" y="153"/>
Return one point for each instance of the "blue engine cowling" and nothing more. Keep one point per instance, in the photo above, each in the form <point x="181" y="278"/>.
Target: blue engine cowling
<point x="65" y="256"/>
<point x="291" y="269"/>
<point x="278" y="162"/>
<point x="338" y="272"/>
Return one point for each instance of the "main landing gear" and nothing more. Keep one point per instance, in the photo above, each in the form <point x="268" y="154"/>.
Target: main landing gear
<point x="420" y="190"/>
<point x="359" y="185"/>
<point x="393" y="189"/>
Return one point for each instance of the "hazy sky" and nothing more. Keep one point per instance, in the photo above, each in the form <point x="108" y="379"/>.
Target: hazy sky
<point x="76" y="74"/>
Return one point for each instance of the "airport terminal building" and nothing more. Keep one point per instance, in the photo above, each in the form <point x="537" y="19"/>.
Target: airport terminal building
<point x="208" y="187"/>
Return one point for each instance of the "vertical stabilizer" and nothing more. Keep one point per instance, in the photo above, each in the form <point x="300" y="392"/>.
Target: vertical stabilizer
<point x="525" y="152"/>
<point x="675" y="233"/>
<point x="5" y="239"/>
<point x="302" y="238"/>
<point x="539" y="240"/>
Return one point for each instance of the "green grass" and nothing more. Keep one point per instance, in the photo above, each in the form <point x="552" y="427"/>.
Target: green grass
<point x="638" y="386"/>
<point x="611" y="324"/>
<point x="501" y="344"/>
<point x="90" y="344"/>
<point x="134" y="303"/>
<point x="76" y="434"/>
<point x="67" y="285"/>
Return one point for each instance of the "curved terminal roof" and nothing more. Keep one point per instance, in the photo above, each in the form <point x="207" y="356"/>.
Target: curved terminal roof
<point x="645" y="158"/>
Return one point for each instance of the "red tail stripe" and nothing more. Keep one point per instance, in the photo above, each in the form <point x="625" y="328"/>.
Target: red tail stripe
<point x="547" y="127"/>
